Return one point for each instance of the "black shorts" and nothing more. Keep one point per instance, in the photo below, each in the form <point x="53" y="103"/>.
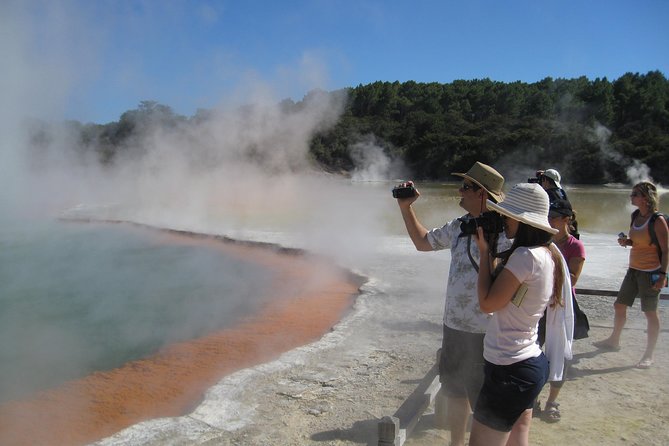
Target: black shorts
<point x="508" y="390"/>
<point x="461" y="364"/>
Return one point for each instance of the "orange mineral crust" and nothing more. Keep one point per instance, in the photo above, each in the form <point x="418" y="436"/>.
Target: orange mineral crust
<point x="309" y="296"/>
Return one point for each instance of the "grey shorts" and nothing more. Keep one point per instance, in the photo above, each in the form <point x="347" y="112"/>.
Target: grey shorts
<point x="461" y="364"/>
<point x="637" y="284"/>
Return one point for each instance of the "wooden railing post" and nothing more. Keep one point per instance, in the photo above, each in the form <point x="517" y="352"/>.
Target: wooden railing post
<point x="389" y="432"/>
<point x="394" y="430"/>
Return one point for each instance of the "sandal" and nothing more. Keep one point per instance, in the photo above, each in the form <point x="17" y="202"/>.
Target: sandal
<point x="536" y="410"/>
<point x="551" y="413"/>
<point x="645" y="364"/>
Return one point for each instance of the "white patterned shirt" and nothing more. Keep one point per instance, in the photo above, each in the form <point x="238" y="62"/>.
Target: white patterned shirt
<point x="461" y="310"/>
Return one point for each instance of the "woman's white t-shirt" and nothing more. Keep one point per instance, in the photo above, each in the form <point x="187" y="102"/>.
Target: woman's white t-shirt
<point x="512" y="331"/>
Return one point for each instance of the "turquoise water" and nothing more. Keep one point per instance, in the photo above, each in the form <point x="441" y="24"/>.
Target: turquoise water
<point x="77" y="297"/>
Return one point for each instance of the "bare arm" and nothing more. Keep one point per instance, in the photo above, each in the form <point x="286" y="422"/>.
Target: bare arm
<point x="662" y="233"/>
<point x="575" y="266"/>
<point x="416" y="230"/>
<point x="493" y="296"/>
<point x="499" y="294"/>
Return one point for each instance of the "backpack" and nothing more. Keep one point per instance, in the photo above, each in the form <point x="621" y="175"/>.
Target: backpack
<point x="651" y="228"/>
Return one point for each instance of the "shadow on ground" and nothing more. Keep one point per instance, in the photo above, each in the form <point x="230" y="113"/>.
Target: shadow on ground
<point x="362" y="432"/>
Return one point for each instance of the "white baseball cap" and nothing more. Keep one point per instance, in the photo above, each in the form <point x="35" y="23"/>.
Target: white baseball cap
<point x="554" y="175"/>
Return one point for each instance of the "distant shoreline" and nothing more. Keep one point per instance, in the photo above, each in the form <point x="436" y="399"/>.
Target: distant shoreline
<point x="173" y="381"/>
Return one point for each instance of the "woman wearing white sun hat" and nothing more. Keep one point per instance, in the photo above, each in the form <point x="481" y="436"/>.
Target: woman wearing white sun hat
<point x="534" y="278"/>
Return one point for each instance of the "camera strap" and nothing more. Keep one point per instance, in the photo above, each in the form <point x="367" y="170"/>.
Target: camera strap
<point x="493" y="241"/>
<point x="469" y="253"/>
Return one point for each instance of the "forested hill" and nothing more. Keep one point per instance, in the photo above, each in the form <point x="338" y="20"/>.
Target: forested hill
<point x="593" y="129"/>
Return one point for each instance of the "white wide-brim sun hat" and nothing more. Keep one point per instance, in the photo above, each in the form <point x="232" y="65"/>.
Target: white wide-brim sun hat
<point x="527" y="203"/>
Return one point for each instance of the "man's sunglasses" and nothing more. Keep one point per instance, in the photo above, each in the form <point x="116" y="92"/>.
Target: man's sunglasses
<point x="466" y="187"/>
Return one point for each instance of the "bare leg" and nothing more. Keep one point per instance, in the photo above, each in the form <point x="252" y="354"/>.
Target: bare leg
<point x="441" y="409"/>
<point x="458" y="416"/>
<point x="520" y="433"/>
<point x="551" y="413"/>
<point x="619" y="320"/>
<point x="653" y="332"/>
<point x="483" y="435"/>
<point x="553" y="393"/>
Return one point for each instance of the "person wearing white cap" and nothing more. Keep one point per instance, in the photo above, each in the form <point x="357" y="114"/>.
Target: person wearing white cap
<point x="464" y="324"/>
<point x="534" y="278"/>
<point x="550" y="180"/>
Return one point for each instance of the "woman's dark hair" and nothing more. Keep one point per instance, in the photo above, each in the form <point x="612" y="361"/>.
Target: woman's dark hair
<point x="528" y="236"/>
<point x="573" y="225"/>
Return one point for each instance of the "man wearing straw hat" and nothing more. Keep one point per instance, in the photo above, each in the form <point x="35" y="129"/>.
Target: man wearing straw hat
<point x="461" y="362"/>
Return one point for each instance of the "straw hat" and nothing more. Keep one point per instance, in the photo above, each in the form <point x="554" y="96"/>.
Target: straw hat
<point x="527" y="203"/>
<point x="487" y="178"/>
<point x="555" y="176"/>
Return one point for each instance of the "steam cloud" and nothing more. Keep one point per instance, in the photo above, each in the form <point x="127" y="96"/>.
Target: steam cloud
<point x="373" y="164"/>
<point x="233" y="170"/>
<point x="636" y="170"/>
<point x="225" y="169"/>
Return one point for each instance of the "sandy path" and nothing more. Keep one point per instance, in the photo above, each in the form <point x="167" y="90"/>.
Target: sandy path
<point x="606" y="400"/>
<point x="173" y="382"/>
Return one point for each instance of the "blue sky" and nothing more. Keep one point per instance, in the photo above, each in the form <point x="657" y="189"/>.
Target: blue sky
<point x="102" y="57"/>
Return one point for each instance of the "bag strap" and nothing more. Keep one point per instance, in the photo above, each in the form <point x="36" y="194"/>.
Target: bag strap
<point x="653" y="235"/>
<point x="634" y="214"/>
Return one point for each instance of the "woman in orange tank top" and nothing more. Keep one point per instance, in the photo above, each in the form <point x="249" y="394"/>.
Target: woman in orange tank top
<point x="647" y="271"/>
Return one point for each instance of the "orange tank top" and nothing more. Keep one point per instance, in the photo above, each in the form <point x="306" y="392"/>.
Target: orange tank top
<point x="643" y="255"/>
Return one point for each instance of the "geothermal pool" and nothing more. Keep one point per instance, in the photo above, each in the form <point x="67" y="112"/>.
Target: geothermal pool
<point x="82" y="297"/>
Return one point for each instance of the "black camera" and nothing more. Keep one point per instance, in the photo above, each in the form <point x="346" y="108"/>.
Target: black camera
<point x="539" y="175"/>
<point x="404" y="191"/>
<point x="491" y="222"/>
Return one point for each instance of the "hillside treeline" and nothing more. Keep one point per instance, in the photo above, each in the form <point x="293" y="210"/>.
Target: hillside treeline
<point x="593" y="129"/>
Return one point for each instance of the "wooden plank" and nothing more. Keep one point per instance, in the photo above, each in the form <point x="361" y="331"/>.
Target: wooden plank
<point x="590" y="292"/>
<point x="394" y="430"/>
